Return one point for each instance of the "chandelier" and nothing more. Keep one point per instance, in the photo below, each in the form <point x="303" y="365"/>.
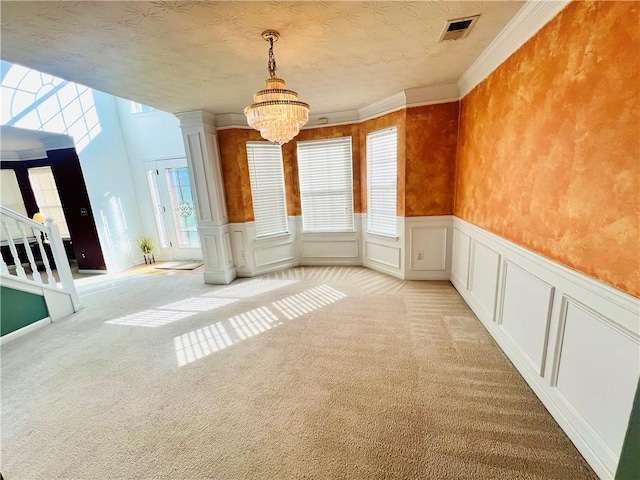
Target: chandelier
<point x="276" y="112"/>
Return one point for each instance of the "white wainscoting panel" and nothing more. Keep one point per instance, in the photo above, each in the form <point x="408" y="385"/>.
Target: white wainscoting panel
<point x="575" y="340"/>
<point x="226" y="241"/>
<point x="256" y="256"/>
<point x="525" y="312"/>
<point x="219" y="265"/>
<point x="461" y="255"/>
<point x="483" y="279"/>
<point x="211" y="247"/>
<point x="272" y="254"/>
<point x="238" y="247"/>
<point x="384" y="254"/>
<point x="593" y="374"/>
<point x="434" y="258"/>
<point x="428" y="253"/>
<point x="330" y="249"/>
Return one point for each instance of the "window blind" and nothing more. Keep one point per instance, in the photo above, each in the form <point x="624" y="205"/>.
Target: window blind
<point x="266" y="175"/>
<point x="326" y="185"/>
<point x="382" y="172"/>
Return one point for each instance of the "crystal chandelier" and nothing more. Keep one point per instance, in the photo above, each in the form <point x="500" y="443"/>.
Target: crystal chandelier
<point x="276" y="112"/>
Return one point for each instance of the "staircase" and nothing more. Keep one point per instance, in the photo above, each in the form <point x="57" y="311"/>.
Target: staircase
<point x="35" y="277"/>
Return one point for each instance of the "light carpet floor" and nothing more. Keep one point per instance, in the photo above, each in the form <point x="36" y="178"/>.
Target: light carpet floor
<point x="327" y="373"/>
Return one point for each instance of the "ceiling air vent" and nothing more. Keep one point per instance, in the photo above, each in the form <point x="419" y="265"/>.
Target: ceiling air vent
<point x="458" y="28"/>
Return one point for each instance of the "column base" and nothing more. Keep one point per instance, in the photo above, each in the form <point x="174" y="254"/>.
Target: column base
<point x="220" y="277"/>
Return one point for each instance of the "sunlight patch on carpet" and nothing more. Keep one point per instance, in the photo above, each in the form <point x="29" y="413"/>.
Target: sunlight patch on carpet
<point x="172" y="312"/>
<point x="250" y="288"/>
<point x="190" y="265"/>
<point x="204" y="341"/>
<point x="308" y="301"/>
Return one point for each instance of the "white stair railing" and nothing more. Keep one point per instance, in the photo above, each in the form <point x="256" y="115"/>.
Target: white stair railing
<point x="20" y="230"/>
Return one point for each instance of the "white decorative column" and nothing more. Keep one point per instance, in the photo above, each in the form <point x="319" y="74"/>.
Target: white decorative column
<point x="203" y="158"/>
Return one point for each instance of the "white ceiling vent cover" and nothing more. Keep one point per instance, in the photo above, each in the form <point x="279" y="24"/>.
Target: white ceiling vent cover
<point x="458" y="28"/>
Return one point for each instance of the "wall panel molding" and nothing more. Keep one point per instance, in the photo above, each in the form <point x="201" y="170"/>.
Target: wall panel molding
<point x="524" y="313"/>
<point x="576" y="341"/>
<point x="428" y="246"/>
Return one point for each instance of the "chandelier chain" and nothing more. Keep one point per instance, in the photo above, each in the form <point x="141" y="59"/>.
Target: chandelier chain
<point x="272" y="60"/>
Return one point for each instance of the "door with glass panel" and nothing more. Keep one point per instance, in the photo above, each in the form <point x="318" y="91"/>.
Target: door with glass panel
<point x="174" y="210"/>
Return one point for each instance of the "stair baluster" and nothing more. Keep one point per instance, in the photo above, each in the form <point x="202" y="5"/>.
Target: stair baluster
<point x="32" y="261"/>
<point x="45" y="258"/>
<point x="14" y="253"/>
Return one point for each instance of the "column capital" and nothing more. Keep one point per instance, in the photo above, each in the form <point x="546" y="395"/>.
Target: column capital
<point x="196" y="118"/>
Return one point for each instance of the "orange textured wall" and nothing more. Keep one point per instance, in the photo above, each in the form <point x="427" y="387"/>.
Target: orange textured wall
<point x="431" y="146"/>
<point x="235" y="172"/>
<point x="426" y="161"/>
<point x="549" y="144"/>
<point x="398" y="119"/>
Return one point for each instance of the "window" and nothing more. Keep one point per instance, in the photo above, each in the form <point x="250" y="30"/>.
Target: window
<point x="182" y="206"/>
<point x="266" y="175"/>
<point x="140" y="108"/>
<point x="46" y="193"/>
<point x="39" y="101"/>
<point x="382" y="173"/>
<point x="326" y="185"/>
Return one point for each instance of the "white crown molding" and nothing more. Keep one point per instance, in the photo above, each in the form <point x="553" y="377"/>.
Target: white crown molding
<point x="320" y="120"/>
<point x="231" y="120"/>
<point x="418" y="97"/>
<point x="413" y="97"/>
<point x="534" y="15"/>
<point x="196" y="118"/>
<point x="382" y="107"/>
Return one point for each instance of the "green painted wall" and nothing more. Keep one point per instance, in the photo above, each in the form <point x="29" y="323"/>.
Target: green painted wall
<point x="19" y="309"/>
<point x="629" y="466"/>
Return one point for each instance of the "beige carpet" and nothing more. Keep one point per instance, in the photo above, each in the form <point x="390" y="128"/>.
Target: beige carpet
<point x="308" y="373"/>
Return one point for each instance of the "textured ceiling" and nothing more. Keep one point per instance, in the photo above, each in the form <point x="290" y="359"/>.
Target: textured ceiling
<point x="181" y="56"/>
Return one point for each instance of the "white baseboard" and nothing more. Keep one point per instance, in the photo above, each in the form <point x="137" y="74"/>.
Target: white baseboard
<point x="576" y="341"/>
<point x="24" y="330"/>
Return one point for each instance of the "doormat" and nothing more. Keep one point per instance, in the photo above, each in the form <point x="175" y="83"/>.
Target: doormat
<point x="189" y="265"/>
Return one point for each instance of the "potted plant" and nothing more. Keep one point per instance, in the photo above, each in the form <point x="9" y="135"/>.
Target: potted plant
<point x="146" y="247"/>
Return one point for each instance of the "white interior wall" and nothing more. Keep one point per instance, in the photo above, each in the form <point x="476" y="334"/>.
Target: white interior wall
<point x="105" y="166"/>
<point x="148" y="136"/>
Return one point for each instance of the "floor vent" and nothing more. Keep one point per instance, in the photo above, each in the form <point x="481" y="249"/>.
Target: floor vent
<point x="458" y="28"/>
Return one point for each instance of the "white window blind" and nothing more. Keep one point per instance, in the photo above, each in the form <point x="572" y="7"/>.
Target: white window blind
<point x="382" y="173"/>
<point x="266" y="175"/>
<point x="326" y="185"/>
